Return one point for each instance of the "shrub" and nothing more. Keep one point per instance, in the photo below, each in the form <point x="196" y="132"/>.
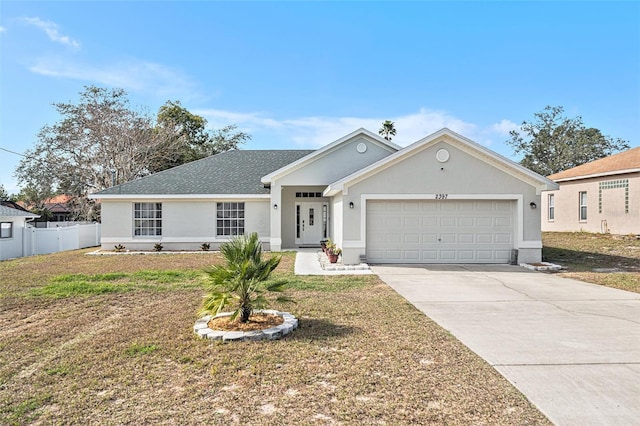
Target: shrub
<point x="243" y="280"/>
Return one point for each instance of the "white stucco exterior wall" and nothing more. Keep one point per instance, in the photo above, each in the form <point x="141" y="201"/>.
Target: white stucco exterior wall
<point x="186" y="224"/>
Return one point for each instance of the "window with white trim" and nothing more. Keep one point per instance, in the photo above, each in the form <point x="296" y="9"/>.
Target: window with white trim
<point x="552" y="208"/>
<point x="582" y="199"/>
<point x="6" y="229"/>
<point x="147" y="219"/>
<point x="229" y="219"/>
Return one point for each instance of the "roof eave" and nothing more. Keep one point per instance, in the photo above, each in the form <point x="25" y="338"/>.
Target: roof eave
<point x="177" y="196"/>
<point x="596" y="175"/>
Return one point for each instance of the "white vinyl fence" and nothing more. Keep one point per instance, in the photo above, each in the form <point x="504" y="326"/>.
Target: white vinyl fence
<point x="32" y="241"/>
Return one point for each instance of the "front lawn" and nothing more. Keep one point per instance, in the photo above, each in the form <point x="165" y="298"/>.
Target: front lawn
<point x="610" y="260"/>
<point x="109" y="340"/>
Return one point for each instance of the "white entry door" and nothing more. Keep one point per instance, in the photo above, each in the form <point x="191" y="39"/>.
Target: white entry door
<point x="310" y="223"/>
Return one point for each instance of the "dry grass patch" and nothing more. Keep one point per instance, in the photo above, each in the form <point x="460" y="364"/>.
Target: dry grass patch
<point x="610" y="260"/>
<point x="361" y="355"/>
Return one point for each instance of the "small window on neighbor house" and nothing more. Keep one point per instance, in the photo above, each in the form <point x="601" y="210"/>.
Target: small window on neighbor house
<point x="552" y="207"/>
<point x="6" y="229"/>
<point x="147" y="219"/>
<point x="229" y="219"/>
<point x="582" y="197"/>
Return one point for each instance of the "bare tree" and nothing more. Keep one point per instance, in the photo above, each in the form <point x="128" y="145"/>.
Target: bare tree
<point x="96" y="139"/>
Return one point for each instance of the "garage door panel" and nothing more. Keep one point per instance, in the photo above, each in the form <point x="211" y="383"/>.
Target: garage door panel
<point x="466" y="255"/>
<point x="447" y="238"/>
<point x="393" y="238"/>
<point x="440" y="231"/>
<point x="466" y="238"/>
<point x="485" y="222"/>
<point x="448" y="255"/>
<point x="447" y="221"/>
<point x="503" y="222"/>
<point x="466" y="221"/>
<point x="394" y="254"/>
<point x="393" y="221"/>
<point x="411" y="222"/>
<point x="410" y="255"/>
<point x="503" y="255"/>
<point x="503" y="238"/>
<point x="429" y="255"/>
<point x="484" y="238"/>
<point x="412" y="238"/>
<point x="410" y="207"/>
<point x="429" y="238"/>
<point x="428" y="222"/>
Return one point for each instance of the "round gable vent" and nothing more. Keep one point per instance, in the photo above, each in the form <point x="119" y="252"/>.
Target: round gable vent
<point x="442" y="155"/>
<point x="361" y="147"/>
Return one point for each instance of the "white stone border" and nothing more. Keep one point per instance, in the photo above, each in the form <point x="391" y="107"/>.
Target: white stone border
<point x="544" y="267"/>
<point x="201" y="328"/>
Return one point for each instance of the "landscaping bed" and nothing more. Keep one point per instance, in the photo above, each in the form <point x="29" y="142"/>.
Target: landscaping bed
<point x="110" y="339"/>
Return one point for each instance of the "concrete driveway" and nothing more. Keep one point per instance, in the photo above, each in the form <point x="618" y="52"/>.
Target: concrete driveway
<point x="572" y="348"/>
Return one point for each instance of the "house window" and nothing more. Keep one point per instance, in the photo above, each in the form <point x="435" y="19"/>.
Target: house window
<point x="230" y="219"/>
<point x="6" y="229"/>
<point x="147" y="219"/>
<point x="552" y="207"/>
<point x="308" y="194"/>
<point x="582" y="197"/>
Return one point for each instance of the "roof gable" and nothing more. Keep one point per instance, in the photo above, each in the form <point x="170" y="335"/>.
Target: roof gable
<point x="467" y="145"/>
<point x="315" y="155"/>
<point x="235" y="172"/>
<point x="623" y="162"/>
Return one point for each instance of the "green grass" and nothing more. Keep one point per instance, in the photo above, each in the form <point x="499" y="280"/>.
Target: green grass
<point x="70" y="285"/>
<point x="24" y="412"/>
<point x="138" y="349"/>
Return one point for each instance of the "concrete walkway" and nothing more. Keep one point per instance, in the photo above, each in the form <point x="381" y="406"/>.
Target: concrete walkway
<point x="572" y="348"/>
<point x="307" y="263"/>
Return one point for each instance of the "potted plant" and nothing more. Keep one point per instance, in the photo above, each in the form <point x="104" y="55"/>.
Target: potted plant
<point x="332" y="251"/>
<point x="323" y="244"/>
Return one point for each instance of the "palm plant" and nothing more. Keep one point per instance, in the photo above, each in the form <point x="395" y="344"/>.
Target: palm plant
<point x="387" y="130"/>
<point x="243" y="280"/>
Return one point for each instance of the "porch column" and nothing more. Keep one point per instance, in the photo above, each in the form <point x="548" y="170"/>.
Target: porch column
<point x="276" y="217"/>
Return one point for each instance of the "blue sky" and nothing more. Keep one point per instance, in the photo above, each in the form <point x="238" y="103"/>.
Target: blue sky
<point x="302" y="74"/>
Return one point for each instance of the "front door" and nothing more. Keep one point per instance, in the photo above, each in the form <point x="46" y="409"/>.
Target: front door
<point x="311" y="223"/>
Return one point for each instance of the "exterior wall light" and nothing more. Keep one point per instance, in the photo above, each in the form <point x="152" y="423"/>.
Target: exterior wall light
<point x="532" y="205"/>
<point x="351" y="205"/>
<point x="275" y="207"/>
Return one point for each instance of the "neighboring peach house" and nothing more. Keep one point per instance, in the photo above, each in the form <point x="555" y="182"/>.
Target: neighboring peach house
<point x="600" y="196"/>
<point x="58" y="206"/>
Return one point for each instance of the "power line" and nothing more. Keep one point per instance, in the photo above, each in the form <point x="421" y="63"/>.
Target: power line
<point x="13" y="152"/>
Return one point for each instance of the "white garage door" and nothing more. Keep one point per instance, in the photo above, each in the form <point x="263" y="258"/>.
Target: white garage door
<point x="442" y="231"/>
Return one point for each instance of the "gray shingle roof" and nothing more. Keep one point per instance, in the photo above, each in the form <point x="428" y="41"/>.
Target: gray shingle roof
<point x="231" y="172"/>
<point x="9" y="211"/>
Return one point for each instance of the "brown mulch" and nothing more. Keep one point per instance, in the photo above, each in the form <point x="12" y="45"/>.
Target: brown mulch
<point x="256" y="322"/>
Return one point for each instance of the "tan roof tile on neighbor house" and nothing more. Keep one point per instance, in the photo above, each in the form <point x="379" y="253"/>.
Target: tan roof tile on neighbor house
<point x="626" y="160"/>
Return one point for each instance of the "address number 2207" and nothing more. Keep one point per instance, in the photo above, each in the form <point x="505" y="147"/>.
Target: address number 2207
<point x="441" y="196"/>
